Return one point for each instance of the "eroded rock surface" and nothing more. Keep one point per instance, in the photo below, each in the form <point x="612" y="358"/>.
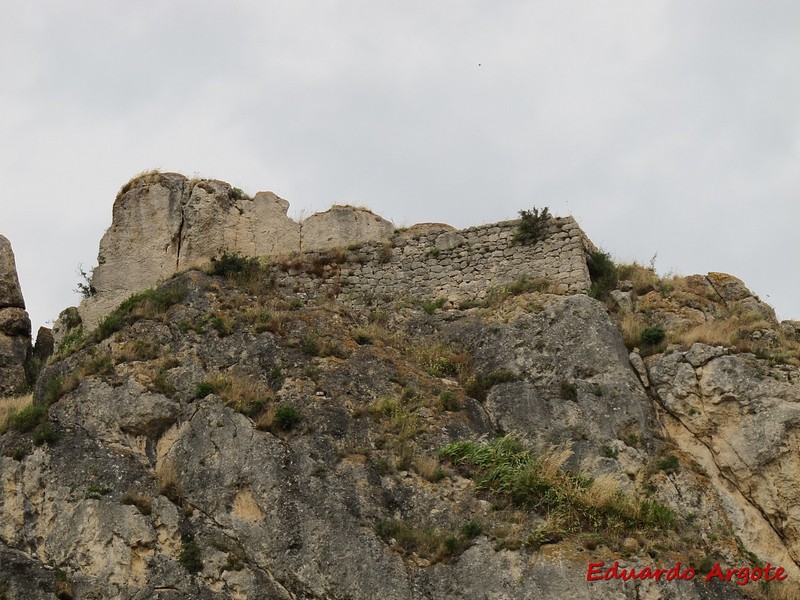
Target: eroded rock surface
<point x="341" y="226"/>
<point x="165" y="223"/>
<point x="15" y="326"/>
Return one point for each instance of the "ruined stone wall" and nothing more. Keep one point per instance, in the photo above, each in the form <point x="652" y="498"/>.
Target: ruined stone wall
<point x="428" y="262"/>
<point x="164" y="223"/>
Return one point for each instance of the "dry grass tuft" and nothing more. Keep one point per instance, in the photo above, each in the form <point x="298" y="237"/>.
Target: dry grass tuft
<point x="169" y="483"/>
<point x="243" y="395"/>
<point x="631" y="327"/>
<point x="9" y="406"/>
<point x="553" y="459"/>
<point x="141" y="501"/>
<point x="428" y="467"/>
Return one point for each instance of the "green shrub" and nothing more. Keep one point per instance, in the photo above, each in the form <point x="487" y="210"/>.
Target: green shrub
<point x="603" y="274"/>
<point x="362" y="338"/>
<point x="96" y="490"/>
<point x="100" y="364"/>
<point x="532" y="226"/>
<point x="191" y="557"/>
<point x="53" y="390"/>
<point x="478" y="386"/>
<point x="310" y="345"/>
<point x="449" y="401"/>
<point x="472" y="529"/>
<point x="233" y="263"/>
<point x="669" y="464"/>
<point x="653" y="336"/>
<point x="286" y="417"/>
<point x="44" y="432"/>
<point x="275" y="377"/>
<point x="203" y="389"/>
<point x="569" y="391"/>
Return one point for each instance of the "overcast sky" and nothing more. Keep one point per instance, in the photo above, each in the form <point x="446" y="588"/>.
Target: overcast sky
<point x="669" y="127"/>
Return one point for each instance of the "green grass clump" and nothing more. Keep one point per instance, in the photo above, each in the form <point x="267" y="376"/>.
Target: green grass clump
<point x="147" y="304"/>
<point x="286" y="417"/>
<point x="431" y="543"/>
<point x="524" y="285"/>
<point x="504" y="468"/>
<point x="28" y="418"/>
<point x="669" y="464"/>
<point x="432" y="306"/>
<point x="44" y="432"/>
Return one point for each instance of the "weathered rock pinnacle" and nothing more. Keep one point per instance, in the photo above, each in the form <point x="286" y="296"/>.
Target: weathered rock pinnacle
<point x="15" y="326"/>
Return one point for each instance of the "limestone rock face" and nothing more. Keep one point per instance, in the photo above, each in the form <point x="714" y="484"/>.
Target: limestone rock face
<point x="165" y="223"/>
<point x="576" y="345"/>
<point x="142" y="245"/>
<point x="15" y="326"/>
<point x="738" y="418"/>
<point x="216" y="221"/>
<point x="342" y="225"/>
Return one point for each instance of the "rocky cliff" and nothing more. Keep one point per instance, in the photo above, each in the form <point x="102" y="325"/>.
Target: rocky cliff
<point x="429" y="414"/>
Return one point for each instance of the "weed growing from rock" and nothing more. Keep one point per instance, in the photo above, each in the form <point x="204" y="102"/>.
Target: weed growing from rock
<point x="532" y="226"/>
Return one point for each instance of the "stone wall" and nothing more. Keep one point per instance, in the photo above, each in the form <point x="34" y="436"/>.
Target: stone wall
<point x="431" y="261"/>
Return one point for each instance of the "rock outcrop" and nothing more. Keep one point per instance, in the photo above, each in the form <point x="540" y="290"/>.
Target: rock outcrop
<point x="340" y="226"/>
<point x="164" y="223"/>
<point x="738" y="418"/>
<point x="15" y="326"/>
